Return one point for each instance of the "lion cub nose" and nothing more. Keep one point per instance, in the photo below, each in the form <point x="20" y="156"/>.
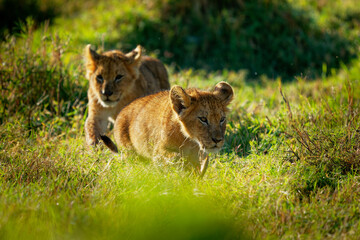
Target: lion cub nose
<point x="217" y="140"/>
<point x="107" y="93"/>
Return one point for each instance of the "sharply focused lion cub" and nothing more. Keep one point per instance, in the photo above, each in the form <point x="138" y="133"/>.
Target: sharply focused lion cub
<point x="115" y="80"/>
<point x="188" y="123"/>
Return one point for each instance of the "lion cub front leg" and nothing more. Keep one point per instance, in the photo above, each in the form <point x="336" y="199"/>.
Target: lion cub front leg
<point x="199" y="162"/>
<point x="204" y="162"/>
<point x="94" y="127"/>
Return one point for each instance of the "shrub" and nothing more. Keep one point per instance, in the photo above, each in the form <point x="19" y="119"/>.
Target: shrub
<point x="265" y="37"/>
<point x="20" y="10"/>
<point x="13" y="12"/>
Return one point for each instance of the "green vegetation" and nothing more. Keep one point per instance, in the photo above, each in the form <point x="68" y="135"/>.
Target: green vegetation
<point x="264" y="37"/>
<point x="290" y="165"/>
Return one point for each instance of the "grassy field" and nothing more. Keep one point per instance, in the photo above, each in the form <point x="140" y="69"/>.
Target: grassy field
<point x="290" y="165"/>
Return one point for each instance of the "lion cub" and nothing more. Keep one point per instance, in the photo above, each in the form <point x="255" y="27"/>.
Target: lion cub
<point x="115" y="80"/>
<point x="188" y="123"/>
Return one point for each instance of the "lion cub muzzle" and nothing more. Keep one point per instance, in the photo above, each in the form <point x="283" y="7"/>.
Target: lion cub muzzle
<point x="107" y="92"/>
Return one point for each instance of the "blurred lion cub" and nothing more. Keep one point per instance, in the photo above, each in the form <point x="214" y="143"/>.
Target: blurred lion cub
<point x="188" y="123"/>
<point x="115" y="80"/>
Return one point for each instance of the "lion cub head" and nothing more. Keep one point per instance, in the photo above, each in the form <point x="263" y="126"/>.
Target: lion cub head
<point x="202" y="114"/>
<point x="112" y="74"/>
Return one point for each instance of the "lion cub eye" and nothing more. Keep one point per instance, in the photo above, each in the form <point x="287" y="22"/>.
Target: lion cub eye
<point x="203" y="120"/>
<point x="118" y="78"/>
<point x="222" y="120"/>
<point x="99" y="79"/>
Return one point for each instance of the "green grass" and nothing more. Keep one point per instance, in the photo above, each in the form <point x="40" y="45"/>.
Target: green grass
<point x="289" y="168"/>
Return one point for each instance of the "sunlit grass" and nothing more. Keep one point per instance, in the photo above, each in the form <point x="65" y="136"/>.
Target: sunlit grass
<point x="55" y="187"/>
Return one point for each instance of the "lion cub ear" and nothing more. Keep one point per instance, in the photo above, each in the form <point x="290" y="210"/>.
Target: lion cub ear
<point x="180" y="100"/>
<point x="134" y="57"/>
<point x="91" y="59"/>
<point x="133" y="60"/>
<point x="224" y="92"/>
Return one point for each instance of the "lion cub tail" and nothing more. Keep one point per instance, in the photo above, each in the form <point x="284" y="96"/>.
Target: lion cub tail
<point x="110" y="144"/>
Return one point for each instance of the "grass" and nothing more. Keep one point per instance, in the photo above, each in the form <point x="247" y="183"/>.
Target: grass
<point x="289" y="168"/>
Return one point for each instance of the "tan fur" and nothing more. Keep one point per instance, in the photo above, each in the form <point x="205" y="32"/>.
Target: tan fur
<point x="137" y="77"/>
<point x="187" y="123"/>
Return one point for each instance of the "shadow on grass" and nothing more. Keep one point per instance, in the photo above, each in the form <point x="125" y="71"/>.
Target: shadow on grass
<point x="249" y="136"/>
<point x="14" y="11"/>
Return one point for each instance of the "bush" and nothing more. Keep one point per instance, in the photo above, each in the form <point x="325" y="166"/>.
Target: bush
<point x="13" y="12"/>
<point x="265" y="37"/>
